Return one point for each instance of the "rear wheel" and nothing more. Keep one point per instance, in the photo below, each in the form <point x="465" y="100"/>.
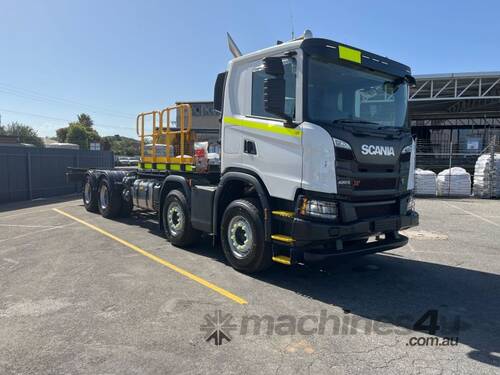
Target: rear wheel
<point x="242" y="235"/>
<point x="177" y="220"/>
<point x="126" y="208"/>
<point x="109" y="202"/>
<point x="89" y="195"/>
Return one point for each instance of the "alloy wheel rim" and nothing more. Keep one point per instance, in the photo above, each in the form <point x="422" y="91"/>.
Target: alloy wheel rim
<point x="240" y="237"/>
<point x="103" y="195"/>
<point x="87" y="193"/>
<point x="175" y="218"/>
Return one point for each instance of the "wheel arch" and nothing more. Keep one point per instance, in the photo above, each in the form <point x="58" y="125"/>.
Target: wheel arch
<point x="170" y="183"/>
<point x="232" y="186"/>
<point x="114" y="177"/>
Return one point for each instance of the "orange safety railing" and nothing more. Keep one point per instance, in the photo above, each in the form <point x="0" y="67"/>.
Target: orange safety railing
<point x="179" y="137"/>
<point x="139" y="125"/>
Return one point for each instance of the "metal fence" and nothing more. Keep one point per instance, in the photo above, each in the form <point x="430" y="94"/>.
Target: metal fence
<point x="438" y="156"/>
<point x="29" y="173"/>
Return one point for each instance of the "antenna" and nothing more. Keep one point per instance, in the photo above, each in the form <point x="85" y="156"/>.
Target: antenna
<point x="291" y="17"/>
<point x="233" y="47"/>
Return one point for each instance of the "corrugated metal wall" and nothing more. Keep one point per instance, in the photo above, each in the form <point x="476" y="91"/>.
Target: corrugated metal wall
<point x="30" y="173"/>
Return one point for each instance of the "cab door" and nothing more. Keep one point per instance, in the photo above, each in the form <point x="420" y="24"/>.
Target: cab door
<point x="260" y="141"/>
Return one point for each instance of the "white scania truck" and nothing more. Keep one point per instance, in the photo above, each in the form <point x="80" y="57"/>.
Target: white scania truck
<point x="316" y="159"/>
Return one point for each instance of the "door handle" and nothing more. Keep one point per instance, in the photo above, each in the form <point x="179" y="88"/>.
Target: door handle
<point x="249" y="147"/>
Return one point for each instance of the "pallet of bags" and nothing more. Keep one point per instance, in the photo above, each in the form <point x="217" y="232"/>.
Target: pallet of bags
<point x="425" y="183"/>
<point x="453" y="182"/>
<point x="484" y="186"/>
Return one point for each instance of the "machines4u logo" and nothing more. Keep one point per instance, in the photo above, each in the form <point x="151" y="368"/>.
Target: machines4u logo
<point x="218" y="327"/>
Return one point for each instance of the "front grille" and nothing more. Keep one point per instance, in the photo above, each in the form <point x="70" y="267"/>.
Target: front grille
<point x="368" y="212"/>
<point x="374" y="183"/>
<point x="375" y="168"/>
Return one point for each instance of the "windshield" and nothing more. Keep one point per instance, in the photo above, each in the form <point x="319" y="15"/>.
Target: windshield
<point x="339" y="94"/>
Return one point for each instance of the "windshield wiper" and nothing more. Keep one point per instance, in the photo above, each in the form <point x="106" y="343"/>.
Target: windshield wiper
<point x="395" y="128"/>
<point x="349" y="121"/>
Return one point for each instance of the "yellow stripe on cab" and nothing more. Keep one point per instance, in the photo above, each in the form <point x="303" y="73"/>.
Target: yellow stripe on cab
<point x="267" y="127"/>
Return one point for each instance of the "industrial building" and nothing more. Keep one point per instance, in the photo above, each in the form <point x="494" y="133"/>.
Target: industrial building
<point x="205" y="123"/>
<point x="454" y="117"/>
<point x="464" y="101"/>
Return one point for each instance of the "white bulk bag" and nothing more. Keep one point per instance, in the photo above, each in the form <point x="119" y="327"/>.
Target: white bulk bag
<point x="453" y="182"/>
<point x="425" y="182"/>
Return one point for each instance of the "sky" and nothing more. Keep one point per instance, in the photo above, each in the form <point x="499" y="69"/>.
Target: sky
<point x="114" y="59"/>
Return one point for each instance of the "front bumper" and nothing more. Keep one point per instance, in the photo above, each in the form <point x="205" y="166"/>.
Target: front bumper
<point x="310" y="231"/>
<point x="319" y="240"/>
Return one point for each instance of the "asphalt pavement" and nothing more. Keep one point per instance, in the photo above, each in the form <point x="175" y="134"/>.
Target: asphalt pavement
<point x="80" y="294"/>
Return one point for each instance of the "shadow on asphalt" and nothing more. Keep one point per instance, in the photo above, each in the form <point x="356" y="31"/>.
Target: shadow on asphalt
<point x="399" y="291"/>
<point x="392" y="289"/>
<point x="37" y="202"/>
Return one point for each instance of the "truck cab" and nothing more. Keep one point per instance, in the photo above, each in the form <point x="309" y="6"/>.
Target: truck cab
<point x="316" y="161"/>
<point x="324" y="127"/>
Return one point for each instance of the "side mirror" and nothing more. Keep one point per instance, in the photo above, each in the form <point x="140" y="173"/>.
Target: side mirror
<point x="274" y="96"/>
<point x="219" y="92"/>
<point x="274" y="88"/>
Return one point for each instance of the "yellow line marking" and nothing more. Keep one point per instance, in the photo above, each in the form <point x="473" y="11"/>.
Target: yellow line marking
<point x="159" y="260"/>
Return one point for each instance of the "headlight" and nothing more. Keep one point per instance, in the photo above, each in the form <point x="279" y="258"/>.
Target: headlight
<point x="411" y="204"/>
<point x="406" y="149"/>
<point x="341" y="144"/>
<point x="318" y="209"/>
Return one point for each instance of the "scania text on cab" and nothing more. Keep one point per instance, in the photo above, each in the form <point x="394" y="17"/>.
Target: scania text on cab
<point x="316" y="159"/>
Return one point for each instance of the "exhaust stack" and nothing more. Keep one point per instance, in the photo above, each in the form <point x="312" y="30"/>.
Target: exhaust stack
<point x="233" y="47"/>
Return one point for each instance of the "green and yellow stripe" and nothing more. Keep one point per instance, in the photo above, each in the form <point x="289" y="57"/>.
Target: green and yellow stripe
<point x="263" y="126"/>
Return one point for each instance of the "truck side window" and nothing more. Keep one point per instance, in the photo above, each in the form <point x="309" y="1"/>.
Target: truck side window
<point x="258" y="77"/>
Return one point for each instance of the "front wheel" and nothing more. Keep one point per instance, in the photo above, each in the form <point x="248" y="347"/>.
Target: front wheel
<point x="177" y="220"/>
<point x="242" y="235"/>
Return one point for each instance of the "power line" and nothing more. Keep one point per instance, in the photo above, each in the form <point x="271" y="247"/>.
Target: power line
<point x="62" y="119"/>
<point x="33" y="95"/>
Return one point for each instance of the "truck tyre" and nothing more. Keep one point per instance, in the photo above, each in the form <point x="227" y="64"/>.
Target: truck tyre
<point x="242" y="236"/>
<point x="177" y="220"/>
<point x="109" y="202"/>
<point x="89" y="195"/>
<point x="126" y="208"/>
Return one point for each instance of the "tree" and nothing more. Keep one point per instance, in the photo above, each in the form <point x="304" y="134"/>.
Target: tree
<point x="61" y="134"/>
<point x="77" y="134"/>
<point x="106" y="144"/>
<point x="122" y="145"/>
<point x="85" y="120"/>
<point x="93" y="136"/>
<point x="25" y="133"/>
